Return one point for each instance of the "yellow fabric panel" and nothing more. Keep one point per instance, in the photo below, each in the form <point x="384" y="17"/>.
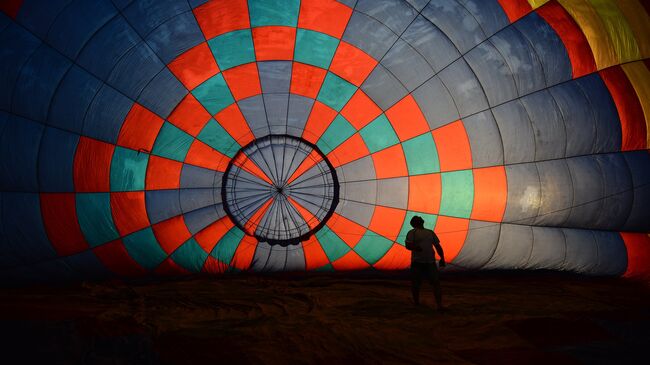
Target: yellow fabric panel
<point x="639" y="76"/>
<point x="618" y="29"/>
<point x="594" y="30"/>
<point x="639" y="22"/>
<point x="537" y="3"/>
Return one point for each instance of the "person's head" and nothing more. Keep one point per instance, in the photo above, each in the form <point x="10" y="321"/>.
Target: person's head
<point x="417" y="222"/>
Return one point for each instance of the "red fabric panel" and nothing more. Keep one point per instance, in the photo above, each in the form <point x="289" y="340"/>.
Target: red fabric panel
<point x="129" y="211"/>
<point x="140" y="129"/>
<point x="515" y="9"/>
<point x="350" y="261"/>
<point x="490" y="194"/>
<point x="217" y="17"/>
<point x="92" y="165"/>
<point x="325" y="16"/>
<point x="407" y="119"/>
<point x="630" y="112"/>
<point x="274" y="43"/>
<point x="11" y="7"/>
<point x="397" y="258"/>
<point x="189" y="115"/>
<point x="350" y="232"/>
<point x="582" y="59"/>
<point x="387" y="221"/>
<point x="170" y="268"/>
<point x="208" y="237"/>
<point x="233" y="121"/>
<point x="352" y="149"/>
<point x="200" y="154"/>
<point x="214" y="266"/>
<point x="306" y="80"/>
<point x="452" y="233"/>
<point x="194" y="66"/>
<point x="171" y="233"/>
<point x="163" y="173"/>
<point x="638" y="255"/>
<point x="243" y="81"/>
<point x="315" y="257"/>
<point x="424" y="193"/>
<point x="244" y="253"/>
<point x="453" y="147"/>
<point x="390" y="162"/>
<point x="320" y="118"/>
<point x="352" y="64"/>
<point x="60" y="219"/>
<point x="115" y="257"/>
<point x="360" y="110"/>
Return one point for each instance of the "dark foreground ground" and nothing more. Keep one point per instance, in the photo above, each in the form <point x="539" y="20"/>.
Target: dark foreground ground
<point x="493" y="318"/>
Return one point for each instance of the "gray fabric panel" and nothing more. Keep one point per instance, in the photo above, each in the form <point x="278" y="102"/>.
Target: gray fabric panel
<point x="436" y="103"/>
<point x="548" y="126"/>
<point x="521" y="58"/>
<point x="369" y="35"/>
<point x="198" y="219"/>
<point x="198" y="177"/>
<point x="275" y="76"/>
<point x="488" y="13"/>
<point x="253" y="110"/>
<point x="261" y="257"/>
<point x="192" y="199"/>
<point x="608" y="126"/>
<point x="393" y="192"/>
<point x="493" y="73"/>
<point x="349" y="3"/>
<point x="578" y="118"/>
<point x="361" y="191"/>
<point x="431" y="43"/>
<point x="418" y="4"/>
<point x="396" y="14"/>
<point x="407" y="65"/>
<point x="523" y="193"/>
<point x="361" y="169"/>
<point x="295" y="258"/>
<point x="514" y="248"/>
<point x="484" y="139"/>
<point x="456" y="22"/>
<point x="481" y="242"/>
<point x="299" y="109"/>
<point x="359" y="213"/>
<point x="464" y="88"/>
<point x="383" y="88"/>
<point x="639" y="164"/>
<point x="581" y="251"/>
<point x="276" y="106"/>
<point x="277" y="259"/>
<point x="516" y="132"/>
<point x="548" y="250"/>
<point x="612" y="254"/>
<point x="619" y="196"/>
<point x="557" y="193"/>
<point x="588" y="191"/>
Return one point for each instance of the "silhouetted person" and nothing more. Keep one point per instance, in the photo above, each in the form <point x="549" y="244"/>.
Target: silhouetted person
<point x="421" y="241"/>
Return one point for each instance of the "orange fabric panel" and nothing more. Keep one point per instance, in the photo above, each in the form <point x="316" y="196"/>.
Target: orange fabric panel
<point x="214" y="266"/>
<point x="638" y="254"/>
<point x="309" y="218"/>
<point x="208" y="237"/>
<point x="350" y="261"/>
<point x="312" y="159"/>
<point x="92" y="165"/>
<point x="407" y="119"/>
<point x="424" y="193"/>
<point x="515" y="9"/>
<point x="244" y="253"/>
<point x="170" y="268"/>
<point x="243" y="81"/>
<point x="218" y="17"/>
<point x="638" y="74"/>
<point x="387" y="221"/>
<point x="249" y="165"/>
<point x="306" y="80"/>
<point x="452" y="233"/>
<point x="59" y="212"/>
<point x="352" y="64"/>
<point x="115" y="257"/>
<point x="490" y="194"/>
<point x="200" y="154"/>
<point x="315" y="257"/>
<point x="171" y="233"/>
<point x="163" y="173"/>
<point x="189" y="115"/>
<point x="129" y="211"/>
<point x="360" y="110"/>
<point x="140" y="129"/>
<point x="325" y="16"/>
<point x="630" y="112"/>
<point x="390" y="162"/>
<point x="350" y="232"/>
<point x="352" y="149"/>
<point x="397" y="258"/>
<point x="194" y="66"/>
<point x="453" y="147"/>
<point x="320" y="118"/>
<point x="575" y="42"/>
<point x="274" y="43"/>
<point x="253" y="222"/>
<point x="233" y="121"/>
<point x="638" y="19"/>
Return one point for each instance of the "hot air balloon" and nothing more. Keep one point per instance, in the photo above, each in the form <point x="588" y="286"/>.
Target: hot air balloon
<point x="177" y="137"/>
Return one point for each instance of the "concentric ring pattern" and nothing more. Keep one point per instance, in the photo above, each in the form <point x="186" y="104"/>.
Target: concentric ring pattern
<point x="518" y="129"/>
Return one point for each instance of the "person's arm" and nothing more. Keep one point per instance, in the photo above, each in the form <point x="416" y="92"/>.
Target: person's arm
<point x="436" y="245"/>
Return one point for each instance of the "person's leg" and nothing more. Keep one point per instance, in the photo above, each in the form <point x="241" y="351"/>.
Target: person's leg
<point x="416" y="281"/>
<point x="435" y="282"/>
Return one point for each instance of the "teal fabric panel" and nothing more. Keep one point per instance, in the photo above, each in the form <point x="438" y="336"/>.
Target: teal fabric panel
<point x="315" y="48"/>
<point x="214" y="94"/>
<point x="429" y="222"/>
<point x="233" y="48"/>
<point x="227" y="245"/>
<point x="128" y="169"/>
<point x="190" y="256"/>
<point x="457" y="193"/>
<point x="95" y="218"/>
<point x="144" y="248"/>
<point x="274" y="12"/>
<point x="335" y="92"/>
<point x="336" y="133"/>
<point x="333" y="246"/>
<point x="172" y="143"/>
<point x="215" y="136"/>
<point x="372" y="247"/>
<point x="421" y="155"/>
<point x="379" y="134"/>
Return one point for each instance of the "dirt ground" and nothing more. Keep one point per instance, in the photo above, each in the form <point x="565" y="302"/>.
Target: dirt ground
<point x="492" y="318"/>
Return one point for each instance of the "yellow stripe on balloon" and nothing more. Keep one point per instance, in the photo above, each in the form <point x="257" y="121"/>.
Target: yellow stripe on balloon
<point x="620" y="33"/>
<point x="639" y="76"/>
<point x="537" y="3"/>
<point x="639" y="22"/>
